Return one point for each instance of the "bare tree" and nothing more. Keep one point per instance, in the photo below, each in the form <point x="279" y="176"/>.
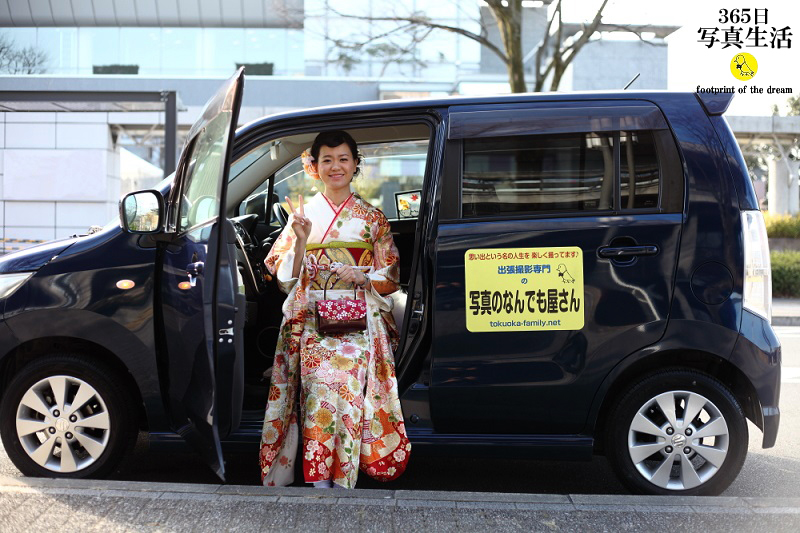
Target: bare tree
<point x="554" y="59"/>
<point x="15" y="60"/>
<point x="378" y="47"/>
<point x="6" y="51"/>
<point x="553" y="55"/>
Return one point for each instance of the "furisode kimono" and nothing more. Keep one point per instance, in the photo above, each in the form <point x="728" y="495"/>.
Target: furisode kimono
<point x="347" y="402"/>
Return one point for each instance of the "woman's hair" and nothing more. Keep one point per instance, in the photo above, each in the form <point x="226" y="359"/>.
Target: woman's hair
<point x="332" y="139"/>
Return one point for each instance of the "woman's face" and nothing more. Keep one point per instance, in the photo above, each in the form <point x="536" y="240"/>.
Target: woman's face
<point x="336" y="166"/>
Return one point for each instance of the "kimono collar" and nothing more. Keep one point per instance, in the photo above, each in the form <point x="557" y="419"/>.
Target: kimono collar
<point x="336" y="209"/>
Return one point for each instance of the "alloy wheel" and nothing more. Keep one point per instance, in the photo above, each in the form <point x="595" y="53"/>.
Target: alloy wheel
<point x="678" y="440"/>
<point x="63" y="424"/>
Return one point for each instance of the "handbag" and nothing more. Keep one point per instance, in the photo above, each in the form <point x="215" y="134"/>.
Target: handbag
<point x="340" y="316"/>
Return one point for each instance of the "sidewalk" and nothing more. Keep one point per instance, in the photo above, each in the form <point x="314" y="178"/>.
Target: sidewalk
<point x="785" y="312"/>
<point x="28" y="504"/>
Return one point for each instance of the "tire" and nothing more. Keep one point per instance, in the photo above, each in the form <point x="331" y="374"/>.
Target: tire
<point x="654" y="450"/>
<point x="66" y="398"/>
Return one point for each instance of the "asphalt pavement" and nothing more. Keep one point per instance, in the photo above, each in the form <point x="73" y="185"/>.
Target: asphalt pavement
<point x="753" y="503"/>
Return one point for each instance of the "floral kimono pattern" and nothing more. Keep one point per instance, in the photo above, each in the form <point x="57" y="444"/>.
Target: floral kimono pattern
<point x="341" y="389"/>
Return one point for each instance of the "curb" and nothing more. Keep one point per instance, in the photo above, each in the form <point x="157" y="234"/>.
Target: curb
<point x="786" y="320"/>
<point x="401" y="499"/>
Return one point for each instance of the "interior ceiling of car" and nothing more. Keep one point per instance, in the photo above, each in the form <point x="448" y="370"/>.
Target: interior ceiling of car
<point x="257" y="165"/>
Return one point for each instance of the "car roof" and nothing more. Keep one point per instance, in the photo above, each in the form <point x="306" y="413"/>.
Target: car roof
<point x="428" y="103"/>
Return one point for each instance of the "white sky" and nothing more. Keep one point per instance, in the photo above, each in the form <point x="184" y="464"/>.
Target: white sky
<point x="691" y="63"/>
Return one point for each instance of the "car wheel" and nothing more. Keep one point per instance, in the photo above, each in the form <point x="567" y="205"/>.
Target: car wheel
<point x="677" y="432"/>
<point x="67" y="416"/>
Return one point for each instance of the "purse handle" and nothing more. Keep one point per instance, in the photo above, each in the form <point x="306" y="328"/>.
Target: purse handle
<point x="337" y="264"/>
<point x="325" y="288"/>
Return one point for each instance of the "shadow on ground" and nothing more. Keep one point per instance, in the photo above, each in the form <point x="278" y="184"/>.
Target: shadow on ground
<point x="424" y="473"/>
<point x="763" y="474"/>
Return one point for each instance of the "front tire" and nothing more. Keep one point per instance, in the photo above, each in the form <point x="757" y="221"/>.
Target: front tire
<point x="677" y="432"/>
<point x="66" y="416"/>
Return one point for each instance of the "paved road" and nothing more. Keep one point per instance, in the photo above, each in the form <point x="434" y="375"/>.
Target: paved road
<point x="771" y="472"/>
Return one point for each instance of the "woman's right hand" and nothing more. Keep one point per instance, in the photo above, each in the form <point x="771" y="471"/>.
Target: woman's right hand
<point x="300" y="224"/>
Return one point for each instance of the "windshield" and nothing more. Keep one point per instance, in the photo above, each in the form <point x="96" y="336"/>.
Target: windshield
<point x="244" y="162"/>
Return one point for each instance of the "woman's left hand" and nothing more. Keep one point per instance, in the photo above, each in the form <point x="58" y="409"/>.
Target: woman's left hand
<point x="348" y="274"/>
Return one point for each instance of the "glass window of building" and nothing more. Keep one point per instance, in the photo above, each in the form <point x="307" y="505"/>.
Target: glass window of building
<point x="96" y="47"/>
<point x="142" y="47"/>
<point x="181" y="52"/>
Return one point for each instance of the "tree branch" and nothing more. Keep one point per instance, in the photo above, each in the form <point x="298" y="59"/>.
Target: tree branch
<point x="556" y="62"/>
<point x="15" y="60"/>
<point x="585" y="35"/>
<point x="360" y="44"/>
<point x="420" y="20"/>
<point x="637" y="32"/>
<point x="539" y="81"/>
<point x="401" y="51"/>
<point x="546" y="38"/>
<point x="496" y="5"/>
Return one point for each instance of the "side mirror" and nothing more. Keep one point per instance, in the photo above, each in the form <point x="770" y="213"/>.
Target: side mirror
<point x="142" y="212"/>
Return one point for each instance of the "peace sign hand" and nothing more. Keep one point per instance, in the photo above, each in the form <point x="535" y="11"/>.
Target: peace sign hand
<point x="300" y="224"/>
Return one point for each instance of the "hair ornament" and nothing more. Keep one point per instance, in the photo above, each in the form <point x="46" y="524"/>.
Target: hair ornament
<point x="308" y="164"/>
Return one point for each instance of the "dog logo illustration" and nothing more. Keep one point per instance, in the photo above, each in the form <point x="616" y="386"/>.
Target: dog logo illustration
<point x="564" y="274"/>
<point x="744" y="66"/>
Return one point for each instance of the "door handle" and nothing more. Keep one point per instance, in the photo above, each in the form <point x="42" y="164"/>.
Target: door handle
<point x="416" y="319"/>
<point x="194" y="270"/>
<point x="622" y="252"/>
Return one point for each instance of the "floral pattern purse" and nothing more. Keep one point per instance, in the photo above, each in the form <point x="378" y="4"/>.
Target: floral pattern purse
<point x="340" y="316"/>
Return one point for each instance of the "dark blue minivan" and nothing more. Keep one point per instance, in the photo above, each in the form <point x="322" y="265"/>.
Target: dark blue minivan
<point x="581" y="274"/>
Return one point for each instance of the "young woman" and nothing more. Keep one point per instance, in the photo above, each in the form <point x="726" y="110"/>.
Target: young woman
<point x="339" y="389"/>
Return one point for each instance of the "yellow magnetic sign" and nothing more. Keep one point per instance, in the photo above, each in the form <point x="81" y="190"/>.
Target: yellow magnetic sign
<point x="524" y="289"/>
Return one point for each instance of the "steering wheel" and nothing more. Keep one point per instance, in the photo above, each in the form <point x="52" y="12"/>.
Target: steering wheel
<point x="203" y="208"/>
<point x="243" y="239"/>
<point x="281" y="214"/>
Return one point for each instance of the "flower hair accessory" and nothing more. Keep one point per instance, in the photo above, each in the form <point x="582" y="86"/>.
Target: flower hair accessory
<point x="308" y="164"/>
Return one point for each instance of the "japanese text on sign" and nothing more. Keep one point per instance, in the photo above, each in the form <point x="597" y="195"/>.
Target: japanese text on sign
<point x="743" y="27"/>
<point x="532" y="289"/>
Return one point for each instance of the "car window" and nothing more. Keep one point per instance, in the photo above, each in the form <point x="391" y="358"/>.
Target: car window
<point x="387" y="169"/>
<point x="538" y="173"/>
<point x="563" y="173"/>
<point x="639" y="170"/>
<point x="199" y="201"/>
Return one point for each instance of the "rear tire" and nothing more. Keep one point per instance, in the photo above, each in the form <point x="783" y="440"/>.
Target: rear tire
<point x="67" y="416"/>
<point x="677" y="432"/>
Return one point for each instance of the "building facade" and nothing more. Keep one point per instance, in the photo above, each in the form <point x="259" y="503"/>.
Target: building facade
<point x="61" y="172"/>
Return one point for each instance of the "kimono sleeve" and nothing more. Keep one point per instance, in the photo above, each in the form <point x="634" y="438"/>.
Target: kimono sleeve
<point x="280" y="259"/>
<point x="385" y="276"/>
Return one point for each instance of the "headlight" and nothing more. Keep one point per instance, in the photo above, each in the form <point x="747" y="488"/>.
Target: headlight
<point x="757" y="271"/>
<point x="11" y="282"/>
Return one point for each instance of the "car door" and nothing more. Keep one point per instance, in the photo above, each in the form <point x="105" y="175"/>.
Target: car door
<point x="555" y="258"/>
<point x="201" y="300"/>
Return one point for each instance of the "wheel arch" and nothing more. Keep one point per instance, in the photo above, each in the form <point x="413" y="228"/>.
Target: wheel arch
<point x="127" y="341"/>
<point x="35" y="349"/>
<point x="617" y="383"/>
